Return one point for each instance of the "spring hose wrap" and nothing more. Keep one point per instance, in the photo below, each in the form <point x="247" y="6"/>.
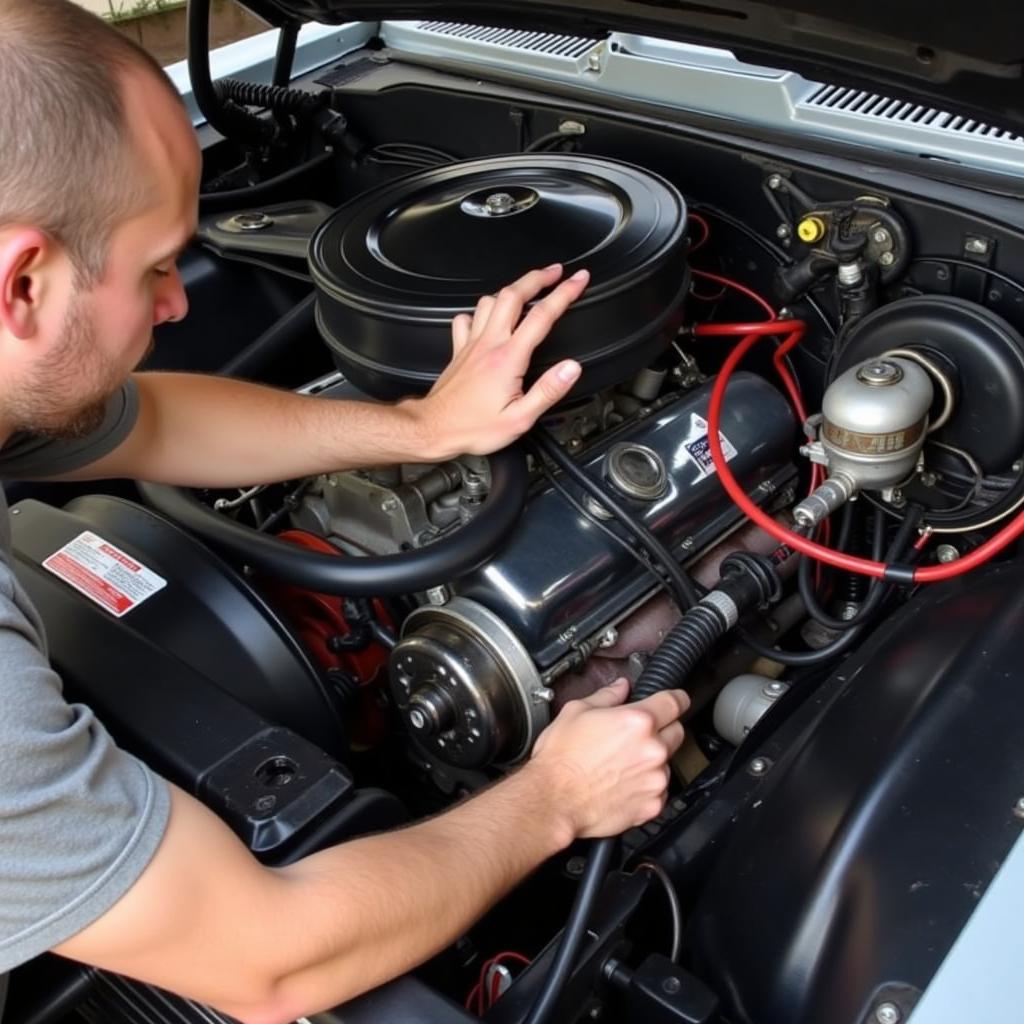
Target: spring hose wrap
<point x="270" y="97"/>
<point x="686" y="643"/>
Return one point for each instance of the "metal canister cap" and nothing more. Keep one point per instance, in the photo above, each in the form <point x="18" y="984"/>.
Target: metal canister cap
<point x="880" y="373"/>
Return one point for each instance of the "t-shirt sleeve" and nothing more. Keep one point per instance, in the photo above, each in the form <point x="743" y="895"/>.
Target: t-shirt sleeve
<point x="80" y="819"/>
<point x="29" y="455"/>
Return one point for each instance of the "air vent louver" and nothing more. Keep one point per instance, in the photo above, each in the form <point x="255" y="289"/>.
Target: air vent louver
<point x="549" y="43"/>
<point x="884" y="108"/>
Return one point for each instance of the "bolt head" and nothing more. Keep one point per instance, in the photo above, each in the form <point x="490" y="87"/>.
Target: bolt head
<point x="759" y="766"/>
<point x="978" y="246"/>
<point x="576" y="865"/>
<point x="881" y="236"/>
<point x="887" y="1013"/>
<point x="671" y="985"/>
<point x="783" y="231"/>
<point x="775" y="181"/>
<point x="887" y="259"/>
<point x="947" y="553"/>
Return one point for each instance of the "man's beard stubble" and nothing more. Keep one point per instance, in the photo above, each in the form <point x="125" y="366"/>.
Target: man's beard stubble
<point x="45" y="404"/>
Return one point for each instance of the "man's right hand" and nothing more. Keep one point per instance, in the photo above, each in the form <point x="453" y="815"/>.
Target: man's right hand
<point x="609" y="761"/>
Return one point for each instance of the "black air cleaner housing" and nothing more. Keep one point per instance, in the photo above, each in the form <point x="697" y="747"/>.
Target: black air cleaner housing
<point x="394" y="266"/>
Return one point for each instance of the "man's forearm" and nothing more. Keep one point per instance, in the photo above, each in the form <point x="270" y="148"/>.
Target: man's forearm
<point x="270" y="945"/>
<point x="214" y="432"/>
<point x="267" y="945"/>
<point x="440" y="876"/>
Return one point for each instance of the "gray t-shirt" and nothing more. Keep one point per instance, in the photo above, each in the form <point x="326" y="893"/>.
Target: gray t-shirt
<point x="79" y="818"/>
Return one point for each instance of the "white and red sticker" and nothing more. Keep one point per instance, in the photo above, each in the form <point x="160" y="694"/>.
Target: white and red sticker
<point x="104" y="573"/>
<point x="698" y="447"/>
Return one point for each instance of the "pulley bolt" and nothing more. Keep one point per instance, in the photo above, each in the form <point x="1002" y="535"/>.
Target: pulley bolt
<point x="947" y="553"/>
<point x="887" y="1013"/>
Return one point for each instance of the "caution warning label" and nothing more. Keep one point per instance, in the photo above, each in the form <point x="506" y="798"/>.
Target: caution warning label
<point x="104" y="573"/>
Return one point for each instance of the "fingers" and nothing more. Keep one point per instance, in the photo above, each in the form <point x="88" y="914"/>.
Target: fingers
<point x="508" y="306"/>
<point x="665" y="707"/>
<point x="539" y="321"/>
<point x="551" y="387"/>
<point x="672" y="736"/>
<point x="482" y="315"/>
<point x="461" y="327"/>
<point x="608" y="696"/>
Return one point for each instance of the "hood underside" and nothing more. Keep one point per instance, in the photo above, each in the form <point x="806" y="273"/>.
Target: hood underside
<point x="969" y="59"/>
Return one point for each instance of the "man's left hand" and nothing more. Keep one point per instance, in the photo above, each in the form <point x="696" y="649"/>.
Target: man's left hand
<point x="478" y="404"/>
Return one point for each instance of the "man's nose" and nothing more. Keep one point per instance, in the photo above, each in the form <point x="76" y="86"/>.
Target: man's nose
<point x="171" y="302"/>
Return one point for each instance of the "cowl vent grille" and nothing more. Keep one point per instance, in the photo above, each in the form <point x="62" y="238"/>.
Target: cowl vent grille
<point x="549" y="43"/>
<point x="884" y="108"/>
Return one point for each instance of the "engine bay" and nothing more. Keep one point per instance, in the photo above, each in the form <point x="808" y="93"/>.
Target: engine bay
<point x="797" y="448"/>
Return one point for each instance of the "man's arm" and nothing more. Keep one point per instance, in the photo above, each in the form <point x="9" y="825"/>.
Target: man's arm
<point x="268" y="945"/>
<point x="210" y="431"/>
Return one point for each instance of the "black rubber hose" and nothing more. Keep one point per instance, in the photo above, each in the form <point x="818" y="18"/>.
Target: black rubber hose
<point x="805" y="584"/>
<point x="877" y="594"/>
<point x="298" y="323"/>
<point x="683" y="588"/>
<point x="284" y="59"/>
<point x="747" y="580"/>
<point x="436" y="564"/>
<point x="272" y="189"/>
<point x="233" y="122"/>
<point x="677" y="655"/>
<point x="598" y="862"/>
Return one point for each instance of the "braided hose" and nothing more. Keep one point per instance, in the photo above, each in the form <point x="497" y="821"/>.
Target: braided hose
<point x="270" y="97"/>
<point x="687" y="642"/>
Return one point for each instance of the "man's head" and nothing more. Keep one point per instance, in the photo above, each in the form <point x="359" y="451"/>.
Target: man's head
<point x="98" y="180"/>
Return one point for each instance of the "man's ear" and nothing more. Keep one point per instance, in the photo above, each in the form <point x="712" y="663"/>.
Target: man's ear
<point x="25" y="254"/>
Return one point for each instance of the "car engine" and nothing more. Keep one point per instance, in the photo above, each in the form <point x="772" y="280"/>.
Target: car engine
<point x="830" y="527"/>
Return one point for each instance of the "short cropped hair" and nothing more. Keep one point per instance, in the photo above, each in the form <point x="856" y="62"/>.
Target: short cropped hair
<point x="65" y="149"/>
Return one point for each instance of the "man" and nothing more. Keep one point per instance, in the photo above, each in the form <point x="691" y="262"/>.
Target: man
<point x="100" y="860"/>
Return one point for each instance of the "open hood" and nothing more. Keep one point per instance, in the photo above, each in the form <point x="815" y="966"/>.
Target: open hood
<point x="966" y="57"/>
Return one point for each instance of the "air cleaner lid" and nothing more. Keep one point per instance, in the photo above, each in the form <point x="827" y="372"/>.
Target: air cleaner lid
<point x="395" y="265"/>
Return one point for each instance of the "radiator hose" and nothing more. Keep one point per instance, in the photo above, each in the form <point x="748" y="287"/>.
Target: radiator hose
<point x="747" y="581"/>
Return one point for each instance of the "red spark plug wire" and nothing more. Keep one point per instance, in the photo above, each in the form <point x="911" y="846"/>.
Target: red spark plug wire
<point x="851" y="563"/>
